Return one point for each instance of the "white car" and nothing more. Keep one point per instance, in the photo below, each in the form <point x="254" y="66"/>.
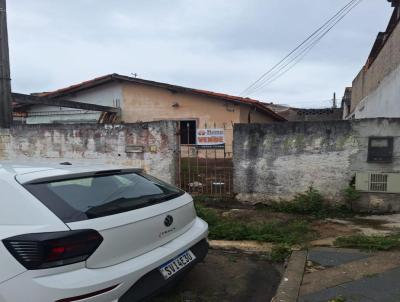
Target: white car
<point x="89" y="233"/>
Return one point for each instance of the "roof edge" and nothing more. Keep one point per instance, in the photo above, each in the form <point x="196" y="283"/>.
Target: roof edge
<point x="175" y="88"/>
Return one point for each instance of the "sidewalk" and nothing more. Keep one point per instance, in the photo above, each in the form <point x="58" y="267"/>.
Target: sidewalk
<point x="350" y="275"/>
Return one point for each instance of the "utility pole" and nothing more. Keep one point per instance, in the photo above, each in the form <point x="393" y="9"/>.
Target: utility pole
<point x="5" y="76"/>
<point x="334" y="101"/>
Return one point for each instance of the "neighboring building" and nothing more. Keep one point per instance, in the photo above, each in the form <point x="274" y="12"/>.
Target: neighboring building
<point x="376" y="89"/>
<point x="144" y="101"/>
<point x="307" y="115"/>
<point x="69" y="111"/>
<point x="346" y="102"/>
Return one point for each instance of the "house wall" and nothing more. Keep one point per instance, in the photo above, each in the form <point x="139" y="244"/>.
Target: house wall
<point x="156" y="145"/>
<point x="368" y="80"/>
<point x="383" y="101"/>
<point x="274" y="162"/>
<point x="157" y="104"/>
<point x="255" y="116"/>
<point x="105" y="95"/>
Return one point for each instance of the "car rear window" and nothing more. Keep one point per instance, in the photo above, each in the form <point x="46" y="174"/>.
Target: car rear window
<point x="77" y="199"/>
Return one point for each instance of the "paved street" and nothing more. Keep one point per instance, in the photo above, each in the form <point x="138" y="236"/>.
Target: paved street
<point x="227" y="277"/>
<point x="351" y="276"/>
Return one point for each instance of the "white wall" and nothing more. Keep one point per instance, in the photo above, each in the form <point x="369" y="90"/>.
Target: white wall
<point x="106" y="95"/>
<point x="383" y="101"/>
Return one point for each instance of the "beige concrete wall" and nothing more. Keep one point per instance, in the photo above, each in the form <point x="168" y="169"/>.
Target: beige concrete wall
<point x="157" y="104"/>
<point x="255" y="116"/>
<point x="387" y="61"/>
<point x="146" y="103"/>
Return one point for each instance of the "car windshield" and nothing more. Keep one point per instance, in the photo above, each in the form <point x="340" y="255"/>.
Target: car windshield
<point x="77" y="199"/>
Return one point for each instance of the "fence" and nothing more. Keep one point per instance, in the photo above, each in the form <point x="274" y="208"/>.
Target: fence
<point x="207" y="171"/>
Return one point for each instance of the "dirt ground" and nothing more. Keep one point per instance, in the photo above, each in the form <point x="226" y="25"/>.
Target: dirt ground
<point x="322" y="228"/>
<point x="227" y="277"/>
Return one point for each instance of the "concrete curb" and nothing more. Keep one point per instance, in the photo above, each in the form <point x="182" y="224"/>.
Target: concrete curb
<point x="289" y="288"/>
<point x="248" y="247"/>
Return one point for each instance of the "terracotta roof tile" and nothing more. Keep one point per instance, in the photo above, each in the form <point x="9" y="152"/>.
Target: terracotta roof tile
<point x="116" y="77"/>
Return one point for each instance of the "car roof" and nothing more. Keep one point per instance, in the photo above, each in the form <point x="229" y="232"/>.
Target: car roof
<point x="27" y="172"/>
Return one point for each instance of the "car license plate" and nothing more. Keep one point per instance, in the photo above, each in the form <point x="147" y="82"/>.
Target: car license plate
<point x="178" y="263"/>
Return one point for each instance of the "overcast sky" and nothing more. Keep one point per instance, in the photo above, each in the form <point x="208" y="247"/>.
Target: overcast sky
<point x="219" y="45"/>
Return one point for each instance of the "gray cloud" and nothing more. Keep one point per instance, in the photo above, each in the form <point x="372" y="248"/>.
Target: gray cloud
<point x="221" y="45"/>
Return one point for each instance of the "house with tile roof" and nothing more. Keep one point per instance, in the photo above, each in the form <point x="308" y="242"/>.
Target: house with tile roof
<point x="142" y="100"/>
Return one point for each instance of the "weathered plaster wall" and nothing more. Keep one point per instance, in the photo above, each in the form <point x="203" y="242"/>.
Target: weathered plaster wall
<point x="369" y="79"/>
<point x="275" y="162"/>
<point x="384" y="101"/>
<point x="155" y="145"/>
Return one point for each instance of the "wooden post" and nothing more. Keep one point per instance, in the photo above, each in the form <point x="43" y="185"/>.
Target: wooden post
<point x="5" y="77"/>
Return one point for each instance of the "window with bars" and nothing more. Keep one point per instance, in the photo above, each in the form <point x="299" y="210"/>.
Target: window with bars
<point x="378" y="183"/>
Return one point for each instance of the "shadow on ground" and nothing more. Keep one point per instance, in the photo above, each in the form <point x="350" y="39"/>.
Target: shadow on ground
<point x="227" y="277"/>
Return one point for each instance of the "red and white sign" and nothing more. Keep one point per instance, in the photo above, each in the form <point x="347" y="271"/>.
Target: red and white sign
<point x="211" y="138"/>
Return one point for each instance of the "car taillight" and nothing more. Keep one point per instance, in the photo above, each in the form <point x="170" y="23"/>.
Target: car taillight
<point x="46" y="250"/>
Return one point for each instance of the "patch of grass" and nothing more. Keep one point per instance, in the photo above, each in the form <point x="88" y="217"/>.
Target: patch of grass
<point x="280" y="252"/>
<point x="224" y="228"/>
<point x="338" y="299"/>
<point x="311" y="203"/>
<point x="370" y="243"/>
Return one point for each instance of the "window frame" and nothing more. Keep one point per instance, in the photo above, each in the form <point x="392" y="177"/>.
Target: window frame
<point x="373" y="152"/>
<point x="191" y="138"/>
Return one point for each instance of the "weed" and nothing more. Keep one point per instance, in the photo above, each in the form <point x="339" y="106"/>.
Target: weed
<point x="305" y="203"/>
<point x="370" y="243"/>
<point x="338" y="299"/>
<point x="232" y="258"/>
<point x="280" y="252"/>
<point x="224" y="228"/>
<point x="312" y="203"/>
<point x="351" y="195"/>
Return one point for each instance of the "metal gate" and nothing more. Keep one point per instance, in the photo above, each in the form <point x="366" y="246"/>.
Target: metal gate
<point x="206" y="171"/>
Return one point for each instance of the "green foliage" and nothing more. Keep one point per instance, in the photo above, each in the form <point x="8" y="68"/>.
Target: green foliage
<point x="280" y="252"/>
<point x="208" y="215"/>
<point x="223" y="228"/>
<point x="311" y="203"/>
<point x="338" y="299"/>
<point x="351" y="194"/>
<point x="370" y="243"/>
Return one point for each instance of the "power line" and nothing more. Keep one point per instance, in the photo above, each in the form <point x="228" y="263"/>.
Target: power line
<point x="302" y="48"/>
<point x="299" y="46"/>
<point x="279" y="73"/>
<point x="274" y="75"/>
